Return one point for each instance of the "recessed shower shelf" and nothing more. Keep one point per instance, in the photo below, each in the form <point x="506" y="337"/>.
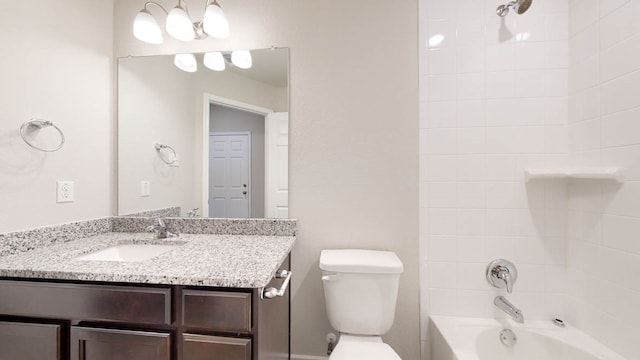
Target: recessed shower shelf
<point x="603" y="174"/>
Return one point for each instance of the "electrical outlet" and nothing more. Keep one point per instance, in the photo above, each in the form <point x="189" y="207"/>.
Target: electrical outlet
<point x="145" y="188"/>
<point x="65" y="191"/>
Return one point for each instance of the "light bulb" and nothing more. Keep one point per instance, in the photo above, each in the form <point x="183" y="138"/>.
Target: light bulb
<point x="241" y="59"/>
<point x="186" y="62"/>
<point x="179" y="25"/>
<point x="146" y="28"/>
<point x="214" y="61"/>
<point x="214" y="22"/>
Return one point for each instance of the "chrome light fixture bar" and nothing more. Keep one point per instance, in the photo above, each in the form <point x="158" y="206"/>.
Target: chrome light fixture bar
<point x="179" y="24"/>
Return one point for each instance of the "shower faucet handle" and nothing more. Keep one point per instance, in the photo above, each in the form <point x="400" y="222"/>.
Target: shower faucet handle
<point x="502" y="274"/>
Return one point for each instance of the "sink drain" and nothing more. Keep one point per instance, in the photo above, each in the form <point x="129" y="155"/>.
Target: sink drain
<point x="508" y="337"/>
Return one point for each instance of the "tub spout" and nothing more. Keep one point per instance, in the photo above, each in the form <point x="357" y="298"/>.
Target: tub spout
<point x="503" y="304"/>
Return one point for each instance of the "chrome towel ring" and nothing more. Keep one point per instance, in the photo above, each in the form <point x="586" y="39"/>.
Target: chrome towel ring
<point x="35" y="125"/>
<point x="160" y="147"/>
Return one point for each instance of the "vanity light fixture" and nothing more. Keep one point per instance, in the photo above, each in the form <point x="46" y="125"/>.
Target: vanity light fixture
<point x="179" y="24"/>
<point x="214" y="60"/>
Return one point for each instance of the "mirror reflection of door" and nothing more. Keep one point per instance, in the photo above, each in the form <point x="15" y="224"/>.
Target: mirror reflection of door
<point x="277" y="166"/>
<point x="233" y="173"/>
<point x="229" y="167"/>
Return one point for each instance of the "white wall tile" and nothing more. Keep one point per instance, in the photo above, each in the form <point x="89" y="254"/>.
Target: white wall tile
<point x="440" y="87"/>
<point x="441" y="61"/>
<point x="470" y="86"/>
<point x="439" y="168"/>
<point x="439" y="141"/>
<point x="443" y="248"/>
<point x="621" y="128"/>
<point x="439" y="114"/>
<point x="620" y="59"/>
<point x="443" y="301"/>
<point x="621" y="93"/>
<point x="607" y="6"/>
<point x="471" y="113"/>
<point x="500" y="84"/>
<point x="619" y="25"/>
<point x="510" y="100"/>
<point x="441" y="195"/>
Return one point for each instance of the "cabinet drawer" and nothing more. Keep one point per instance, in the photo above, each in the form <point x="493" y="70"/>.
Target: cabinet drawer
<point x="110" y="344"/>
<point x="29" y="341"/>
<point x="129" y="304"/>
<point x="217" y="310"/>
<point x="202" y="347"/>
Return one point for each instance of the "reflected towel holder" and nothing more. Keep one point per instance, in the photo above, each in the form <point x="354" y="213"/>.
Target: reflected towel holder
<point x="37" y="124"/>
<point x="160" y="147"/>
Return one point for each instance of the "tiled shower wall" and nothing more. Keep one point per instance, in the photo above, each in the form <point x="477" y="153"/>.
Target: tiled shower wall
<point x="604" y="219"/>
<point x="493" y="96"/>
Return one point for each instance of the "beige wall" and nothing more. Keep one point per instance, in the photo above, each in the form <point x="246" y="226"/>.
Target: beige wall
<point x="56" y="64"/>
<point x="354" y="144"/>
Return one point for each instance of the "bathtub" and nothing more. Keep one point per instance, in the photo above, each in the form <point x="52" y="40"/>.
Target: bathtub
<point x="460" y="338"/>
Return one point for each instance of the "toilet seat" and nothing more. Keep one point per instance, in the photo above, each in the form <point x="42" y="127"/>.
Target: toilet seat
<point x="362" y="348"/>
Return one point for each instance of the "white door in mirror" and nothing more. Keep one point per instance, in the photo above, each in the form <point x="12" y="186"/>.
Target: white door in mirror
<point x="277" y="165"/>
<point x="229" y="174"/>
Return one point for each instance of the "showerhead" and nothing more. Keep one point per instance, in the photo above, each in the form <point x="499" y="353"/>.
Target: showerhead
<point x="520" y="6"/>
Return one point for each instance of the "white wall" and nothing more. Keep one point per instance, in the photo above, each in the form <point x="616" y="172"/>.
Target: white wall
<point x="604" y="219"/>
<point x="156" y="104"/>
<point x="353" y="146"/>
<point x="492" y="102"/>
<point x="57" y="65"/>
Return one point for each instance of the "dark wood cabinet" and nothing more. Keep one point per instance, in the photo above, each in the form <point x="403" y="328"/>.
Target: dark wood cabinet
<point x="47" y="320"/>
<point x="27" y="341"/>
<point x="203" y="347"/>
<point x="112" y="344"/>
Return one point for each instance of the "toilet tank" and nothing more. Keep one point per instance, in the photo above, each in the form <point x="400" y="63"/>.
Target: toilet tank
<point x="360" y="289"/>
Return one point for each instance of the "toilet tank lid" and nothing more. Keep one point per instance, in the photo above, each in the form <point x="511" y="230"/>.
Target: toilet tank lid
<point x="361" y="261"/>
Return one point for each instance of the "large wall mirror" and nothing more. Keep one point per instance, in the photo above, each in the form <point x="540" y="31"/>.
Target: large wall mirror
<point x="203" y="143"/>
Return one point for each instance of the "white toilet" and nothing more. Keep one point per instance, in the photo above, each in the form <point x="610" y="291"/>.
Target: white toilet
<point x="360" y="290"/>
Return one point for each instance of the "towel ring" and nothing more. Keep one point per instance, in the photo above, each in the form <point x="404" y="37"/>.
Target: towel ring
<point x="37" y="124"/>
<point x="160" y="147"/>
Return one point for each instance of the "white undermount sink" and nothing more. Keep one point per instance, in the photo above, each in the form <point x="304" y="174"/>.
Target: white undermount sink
<point x="128" y="252"/>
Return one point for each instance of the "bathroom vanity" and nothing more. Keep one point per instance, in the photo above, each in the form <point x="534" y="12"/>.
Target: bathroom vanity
<point x="204" y="298"/>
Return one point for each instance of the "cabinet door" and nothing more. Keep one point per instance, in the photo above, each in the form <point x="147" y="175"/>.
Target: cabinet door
<point x="204" y="347"/>
<point x="29" y="341"/>
<point x="112" y="344"/>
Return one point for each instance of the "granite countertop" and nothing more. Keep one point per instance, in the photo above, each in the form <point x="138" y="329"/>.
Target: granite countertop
<point x="240" y="261"/>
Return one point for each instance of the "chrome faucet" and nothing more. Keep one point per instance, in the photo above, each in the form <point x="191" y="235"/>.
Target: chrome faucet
<point x="502" y="274"/>
<point x="503" y="304"/>
<point x="193" y="212"/>
<point x="161" y="230"/>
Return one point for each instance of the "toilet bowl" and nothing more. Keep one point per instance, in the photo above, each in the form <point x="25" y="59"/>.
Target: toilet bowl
<point x="352" y="347"/>
<point x="361" y="288"/>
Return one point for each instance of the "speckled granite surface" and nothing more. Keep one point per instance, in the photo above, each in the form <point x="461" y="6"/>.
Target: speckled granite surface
<point x="243" y="261"/>
<point x="270" y="227"/>
<point x="166" y="212"/>
<point x="21" y="241"/>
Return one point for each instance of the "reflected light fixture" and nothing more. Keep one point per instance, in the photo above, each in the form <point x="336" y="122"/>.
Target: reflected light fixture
<point x="215" y="60"/>
<point x="241" y="59"/>
<point x="186" y="62"/>
<point x="179" y="24"/>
